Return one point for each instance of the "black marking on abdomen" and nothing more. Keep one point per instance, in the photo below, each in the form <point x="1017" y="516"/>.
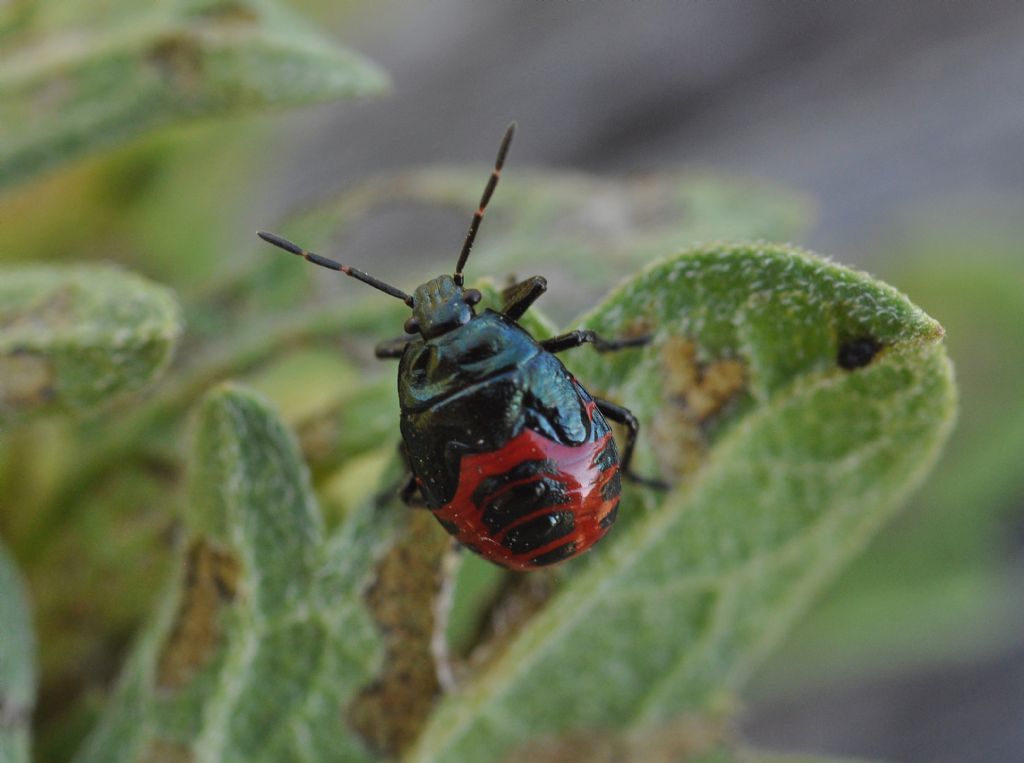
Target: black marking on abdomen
<point x="607" y="457"/>
<point x="611" y="489"/>
<point x="539" y="531"/>
<point x="520" y="500"/>
<point x="609" y="518"/>
<point x="451" y="527"/>
<point x="555" y="555"/>
<point x="521" y="471"/>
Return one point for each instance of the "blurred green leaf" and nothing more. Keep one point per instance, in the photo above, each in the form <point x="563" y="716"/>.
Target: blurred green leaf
<point x="580" y="231"/>
<point x="75" y="338"/>
<point x="786" y="464"/>
<point x="255" y="649"/>
<point x="76" y="77"/>
<point x="17" y="666"/>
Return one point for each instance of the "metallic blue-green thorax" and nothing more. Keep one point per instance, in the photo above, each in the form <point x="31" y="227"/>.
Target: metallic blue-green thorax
<point x="473" y="388"/>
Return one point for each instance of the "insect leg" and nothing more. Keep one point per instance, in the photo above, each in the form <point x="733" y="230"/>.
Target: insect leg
<point x="408" y="493"/>
<point x="408" y="490"/>
<point x="518" y="297"/>
<point x="625" y="417"/>
<point x="391" y="348"/>
<point x="405" y="488"/>
<point x="585" y="336"/>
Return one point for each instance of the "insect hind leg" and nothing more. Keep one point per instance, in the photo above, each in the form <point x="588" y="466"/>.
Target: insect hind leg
<point x="624" y="416"/>
<point x="406" y="488"/>
<point x="580" y="337"/>
<point x="408" y="493"/>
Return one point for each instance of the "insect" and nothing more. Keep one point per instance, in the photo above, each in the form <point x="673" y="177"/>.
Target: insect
<point x="511" y="454"/>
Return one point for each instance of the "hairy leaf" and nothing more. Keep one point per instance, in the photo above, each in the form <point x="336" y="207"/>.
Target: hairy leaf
<point x="74" y="338"/>
<point x="76" y="77"/>
<point x="251" y="656"/>
<point x="938" y="585"/>
<point x="793" y="403"/>
<point x="17" y="666"/>
<point x="796" y="402"/>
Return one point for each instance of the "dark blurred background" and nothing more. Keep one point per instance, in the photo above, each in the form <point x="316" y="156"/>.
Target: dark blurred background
<point x="901" y="123"/>
<point x="875" y="111"/>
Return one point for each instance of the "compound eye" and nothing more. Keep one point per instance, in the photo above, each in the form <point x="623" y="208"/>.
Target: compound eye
<point x="412" y="326"/>
<point x="471" y="296"/>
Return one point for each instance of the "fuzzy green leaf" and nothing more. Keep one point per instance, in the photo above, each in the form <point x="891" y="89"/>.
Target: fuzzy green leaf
<point x="250" y="658"/>
<point x="784" y="464"/>
<point x="74" y="338"/>
<point x="931" y="589"/>
<point x="17" y="666"/>
<point x="76" y="77"/>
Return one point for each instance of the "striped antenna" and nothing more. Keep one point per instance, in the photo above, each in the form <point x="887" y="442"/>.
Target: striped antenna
<point x="316" y="259"/>
<point x="492" y="183"/>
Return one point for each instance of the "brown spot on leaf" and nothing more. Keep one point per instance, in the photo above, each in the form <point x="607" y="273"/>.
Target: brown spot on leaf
<point x="166" y="751"/>
<point x="161" y="468"/>
<point x="639" y="326"/>
<point x="403" y="600"/>
<point x="521" y="596"/>
<point x="50" y="311"/>
<point x="211" y="583"/>
<point x="178" y="59"/>
<point x="26" y="379"/>
<point x="318" y="437"/>
<point x="674" y="742"/>
<point x="696" y="392"/>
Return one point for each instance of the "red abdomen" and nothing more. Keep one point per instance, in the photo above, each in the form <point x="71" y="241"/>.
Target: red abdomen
<point x="535" y="502"/>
